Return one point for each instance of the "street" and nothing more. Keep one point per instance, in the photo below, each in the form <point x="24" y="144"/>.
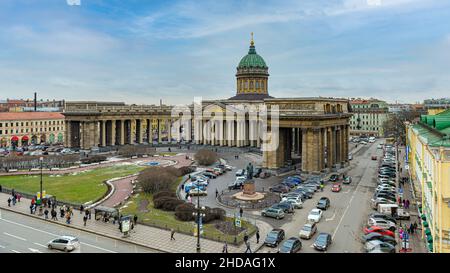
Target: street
<point x="345" y="218"/>
<point x="22" y="234"/>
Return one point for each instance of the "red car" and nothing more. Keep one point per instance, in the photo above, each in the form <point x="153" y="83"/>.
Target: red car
<point x="379" y="230"/>
<point x="336" y="188"/>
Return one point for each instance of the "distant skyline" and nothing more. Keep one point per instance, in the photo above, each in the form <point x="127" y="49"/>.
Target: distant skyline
<point x="142" y="51"/>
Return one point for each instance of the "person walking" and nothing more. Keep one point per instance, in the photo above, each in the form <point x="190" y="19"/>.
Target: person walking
<point x="245" y="237"/>
<point x="257" y="236"/>
<point x="85" y="219"/>
<point x="81" y="208"/>
<point x="241" y="211"/>
<point x="89" y="213"/>
<point x="411" y="228"/>
<point x="54" y="214"/>
<point x="68" y="218"/>
<point x="18" y="197"/>
<point x="225" y="248"/>
<point x="217" y="193"/>
<point x="61" y="212"/>
<point x="14" y="200"/>
<point x="135" y="218"/>
<point x="172" y="233"/>
<point x="9" y="202"/>
<point x="248" y="250"/>
<point x="31" y="209"/>
<point x="46" y="213"/>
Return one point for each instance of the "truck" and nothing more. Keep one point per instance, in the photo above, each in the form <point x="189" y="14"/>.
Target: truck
<point x="394" y="210"/>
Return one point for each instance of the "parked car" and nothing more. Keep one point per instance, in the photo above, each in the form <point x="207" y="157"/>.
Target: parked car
<point x="308" y="230"/>
<point x="258" y="172"/>
<point x="296" y="202"/>
<point x="315" y="215"/>
<point x="380" y="230"/>
<point x="209" y="174"/>
<point x="240" y="172"/>
<point x="279" y="188"/>
<point x="291" y="245"/>
<point x="322" y="242"/>
<point x="384" y="247"/>
<point x="377" y="236"/>
<point x="274" y="213"/>
<point x="285" y="206"/>
<point x="323" y="203"/>
<point x="274" y="237"/>
<point x="381" y="223"/>
<point x="196" y="192"/>
<point x="237" y="184"/>
<point x="374" y="157"/>
<point x="383" y="216"/>
<point x="66" y="243"/>
<point x="336" y="188"/>
<point x="334" y="178"/>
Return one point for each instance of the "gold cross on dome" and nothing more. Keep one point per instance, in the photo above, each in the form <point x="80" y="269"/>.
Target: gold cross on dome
<point x="252" y="42"/>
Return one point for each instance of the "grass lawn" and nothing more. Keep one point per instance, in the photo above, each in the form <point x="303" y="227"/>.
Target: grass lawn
<point x="167" y="220"/>
<point x="79" y="188"/>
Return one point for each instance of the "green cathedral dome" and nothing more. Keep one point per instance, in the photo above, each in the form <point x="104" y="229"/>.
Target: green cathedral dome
<point x="252" y="60"/>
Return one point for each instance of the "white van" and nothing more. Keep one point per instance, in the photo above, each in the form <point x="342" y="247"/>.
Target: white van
<point x="387" y="208"/>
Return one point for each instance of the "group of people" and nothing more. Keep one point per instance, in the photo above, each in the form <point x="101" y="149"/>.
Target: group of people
<point x="15" y="197"/>
<point x="403" y="202"/>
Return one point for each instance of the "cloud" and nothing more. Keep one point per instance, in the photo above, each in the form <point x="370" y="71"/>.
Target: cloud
<point x="73" y="2"/>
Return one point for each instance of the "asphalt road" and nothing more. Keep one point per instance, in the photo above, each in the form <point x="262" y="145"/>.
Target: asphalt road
<point x="346" y="216"/>
<point x="22" y="234"/>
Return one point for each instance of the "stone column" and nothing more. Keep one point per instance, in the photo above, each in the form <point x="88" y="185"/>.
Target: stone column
<point x="221" y="132"/>
<point x="113" y="133"/>
<point x="322" y="133"/>
<point x="103" y="133"/>
<point x="68" y="136"/>
<point x="338" y="145"/>
<point x="169" y="130"/>
<point x="343" y="141"/>
<point x="309" y="151"/>
<point x="122" y="132"/>
<point x="159" y="131"/>
<point x="330" y="147"/>
<point x="346" y="136"/>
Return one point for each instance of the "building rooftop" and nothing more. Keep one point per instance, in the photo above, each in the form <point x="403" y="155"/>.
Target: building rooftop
<point x="12" y="116"/>
<point x="434" y="129"/>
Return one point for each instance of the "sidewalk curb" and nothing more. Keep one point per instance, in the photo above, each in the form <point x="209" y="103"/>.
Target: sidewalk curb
<point x="84" y="230"/>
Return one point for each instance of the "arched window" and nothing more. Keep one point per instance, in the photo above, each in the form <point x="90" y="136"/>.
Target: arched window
<point x="251" y="84"/>
<point x="246" y="84"/>
<point x="262" y="85"/>
<point x="257" y="84"/>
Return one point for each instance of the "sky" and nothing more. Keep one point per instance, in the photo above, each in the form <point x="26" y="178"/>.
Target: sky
<point x="141" y="51"/>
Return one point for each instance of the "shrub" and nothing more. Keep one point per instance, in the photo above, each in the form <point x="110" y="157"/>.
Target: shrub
<point x="205" y="157"/>
<point x="183" y="212"/>
<point x="163" y="194"/>
<point x="93" y="159"/>
<point x="212" y="214"/>
<point x="186" y="170"/>
<point x="133" y="150"/>
<point x="155" y="179"/>
<point x="171" y="204"/>
<point x="158" y="203"/>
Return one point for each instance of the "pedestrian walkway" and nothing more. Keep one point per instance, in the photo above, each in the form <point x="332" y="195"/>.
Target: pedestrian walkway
<point x="416" y="241"/>
<point x="152" y="237"/>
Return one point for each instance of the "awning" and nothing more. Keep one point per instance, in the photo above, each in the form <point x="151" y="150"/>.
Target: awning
<point x="423" y="217"/>
<point x="427" y="231"/>
<point x="14" y="138"/>
<point x="425" y="223"/>
<point x="430" y="239"/>
<point x="25" y="138"/>
<point x="430" y="247"/>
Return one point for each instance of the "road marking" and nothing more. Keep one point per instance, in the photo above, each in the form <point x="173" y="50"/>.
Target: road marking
<point x="49" y="233"/>
<point x="101" y="248"/>
<point x="15" y="251"/>
<point x="40" y="245"/>
<point x="34" y="250"/>
<point x="2" y="246"/>
<point x="14" y="236"/>
<point x="332" y="217"/>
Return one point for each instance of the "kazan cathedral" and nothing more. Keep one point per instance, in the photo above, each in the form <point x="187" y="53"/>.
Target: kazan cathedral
<point x="312" y="133"/>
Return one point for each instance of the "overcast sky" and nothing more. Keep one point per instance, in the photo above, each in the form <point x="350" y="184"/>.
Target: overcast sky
<point x="140" y="51"/>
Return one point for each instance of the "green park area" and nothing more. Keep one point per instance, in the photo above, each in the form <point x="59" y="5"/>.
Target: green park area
<point x="77" y="187"/>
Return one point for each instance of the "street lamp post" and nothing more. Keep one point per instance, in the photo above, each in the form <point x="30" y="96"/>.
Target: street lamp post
<point x="199" y="215"/>
<point x="41" y="159"/>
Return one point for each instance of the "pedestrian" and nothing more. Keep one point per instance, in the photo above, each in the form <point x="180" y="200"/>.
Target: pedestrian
<point x="81" y="208"/>
<point x="217" y="193"/>
<point x="61" y="212"/>
<point x="257" y="236"/>
<point x="132" y="226"/>
<point x="13" y="192"/>
<point x="9" y="202"/>
<point x="46" y="213"/>
<point x="189" y="198"/>
<point x="71" y="211"/>
<point x="241" y="211"/>
<point x="172" y="232"/>
<point x="54" y="214"/>
<point x="225" y="248"/>
<point x="14" y="200"/>
<point x="407" y="203"/>
<point x="411" y="228"/>
<point x="89" y="213"/>
<point x="415" y="227"/>
<point x="18" y="197"/>
<point x="245" y="237"/>
<point x="248" y="250"/>
<point x="85" y="219"/>
<point x="68" y="218"/>
<point x="31" y="209"/>
<point x="321" y="187"/>
<point x="1" y="188"/>
<point x="135" y="218"/>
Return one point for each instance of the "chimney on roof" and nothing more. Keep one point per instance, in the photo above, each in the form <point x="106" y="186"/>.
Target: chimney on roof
<point x="35" y="101"/>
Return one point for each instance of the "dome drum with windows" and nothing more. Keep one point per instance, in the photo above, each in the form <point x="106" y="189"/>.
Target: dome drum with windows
<point x="252" y="76"/>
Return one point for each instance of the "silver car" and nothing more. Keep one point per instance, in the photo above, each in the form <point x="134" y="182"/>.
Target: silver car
<point x="66" y="243"/>
<point x="308" y="231"/>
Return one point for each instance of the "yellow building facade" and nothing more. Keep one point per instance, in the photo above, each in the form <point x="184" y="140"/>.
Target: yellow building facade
<point x="428" y="144"/>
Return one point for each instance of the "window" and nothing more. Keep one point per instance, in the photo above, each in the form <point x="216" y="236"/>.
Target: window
<point x="1" y="132"/>
<point x="257" y="84"/>
<point x="6" y="132"/>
